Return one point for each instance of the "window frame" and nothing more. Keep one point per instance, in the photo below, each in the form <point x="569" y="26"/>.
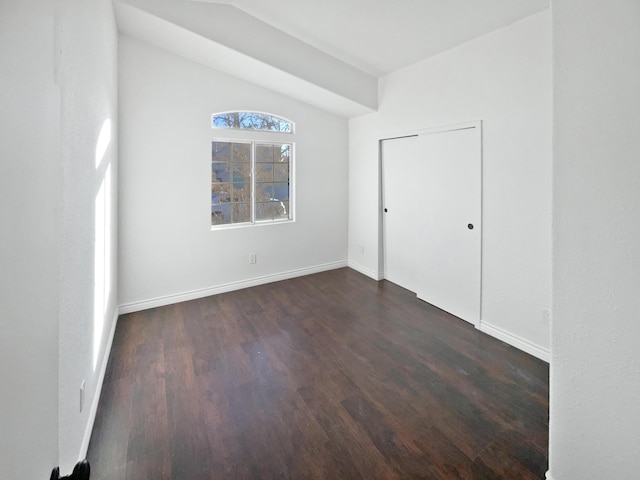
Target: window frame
<point x="258" y="137"/>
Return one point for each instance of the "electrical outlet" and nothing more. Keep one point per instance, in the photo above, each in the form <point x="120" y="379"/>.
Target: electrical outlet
<point x="82" y="395"/>
<point x="253" y="258"/>
<point x="546" y="317"/>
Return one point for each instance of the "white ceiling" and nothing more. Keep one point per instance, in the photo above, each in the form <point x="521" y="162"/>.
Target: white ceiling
<point x="214" y="34"/>
<point x="328" y="53"/>
<point x="380" y="36"/>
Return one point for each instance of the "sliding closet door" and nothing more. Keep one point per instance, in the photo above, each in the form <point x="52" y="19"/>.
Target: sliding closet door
<point x="399" y="213"/>
<point x="450" y="228"/>
<point x="432" y="220"/>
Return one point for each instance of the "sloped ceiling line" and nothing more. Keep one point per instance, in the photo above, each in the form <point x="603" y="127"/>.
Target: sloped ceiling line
<point x="326" y="53"/>
<point x="224" y="38"/>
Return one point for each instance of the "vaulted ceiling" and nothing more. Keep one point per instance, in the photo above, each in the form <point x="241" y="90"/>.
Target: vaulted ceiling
<point x="380" y="36"/>
<point x="329" y="53"/>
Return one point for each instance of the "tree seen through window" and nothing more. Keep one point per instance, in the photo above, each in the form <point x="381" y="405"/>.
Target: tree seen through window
<point x="250" y="182"/>
<point x="251" y="121"/>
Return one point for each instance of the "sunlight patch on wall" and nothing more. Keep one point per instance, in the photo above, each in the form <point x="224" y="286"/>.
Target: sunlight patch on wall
<point x="104" y="139"/>
<point x="102" y="242"/>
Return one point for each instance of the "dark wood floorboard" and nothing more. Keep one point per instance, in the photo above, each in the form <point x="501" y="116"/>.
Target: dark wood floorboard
<point x="329" y="376"/>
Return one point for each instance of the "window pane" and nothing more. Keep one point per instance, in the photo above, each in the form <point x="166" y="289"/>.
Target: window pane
<point x="220" y="192"/>
<point x="264" y="212"/>
<point x="219" y="172"/>
<point x="242" y="175"/>
<point x="240" y="213"/>
<point x="251" y="121"/>
<point x="271" y="211"/>
<point x="281" y="191"/>
<point x="216" y="217"/>
<point x="220" y="214"/>
<point x="285" y="208"/>
<point x="285" y="153"/>
<point x="264" y="192"/>
<point x="281" y="172"/>
<point x="240" y="195"/>
<point x="264" y="172"/>
<point x="265" y="153"/>
<point x="241" y="152"/>
<point x="220" y="151"/>
<point x="226" y="120"/>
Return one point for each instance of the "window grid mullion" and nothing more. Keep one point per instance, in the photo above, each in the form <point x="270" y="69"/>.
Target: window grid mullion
<point x="267" y="203"/>
<point x="253" y="183"/>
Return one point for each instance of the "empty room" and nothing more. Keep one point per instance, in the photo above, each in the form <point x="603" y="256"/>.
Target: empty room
<point x="297" y="239"/>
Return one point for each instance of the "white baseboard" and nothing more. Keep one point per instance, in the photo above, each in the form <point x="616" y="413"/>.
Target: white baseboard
<point x="515" y="341"/>
<point x="84" y="447"/>
<point x="548" y="476"/>
<point x="366" y="271"/>
<point x="227" y="287"/>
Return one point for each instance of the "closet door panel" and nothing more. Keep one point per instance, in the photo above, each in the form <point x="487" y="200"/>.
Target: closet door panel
<point x="449" y="230"/>
<point x="401" y="207"/>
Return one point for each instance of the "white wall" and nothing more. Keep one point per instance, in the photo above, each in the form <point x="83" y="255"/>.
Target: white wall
<point x="595" y="367"/>
<point x="30" y="179"/>
<point x="504" y="79"/>
<point x="57" y="87"/>
<point x="87" y="48"/>
<point x="167" y="249"/>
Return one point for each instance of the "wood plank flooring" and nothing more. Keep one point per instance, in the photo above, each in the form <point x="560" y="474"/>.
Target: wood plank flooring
<point x="328" y="376"/>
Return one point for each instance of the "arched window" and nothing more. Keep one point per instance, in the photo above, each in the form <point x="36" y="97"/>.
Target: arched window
<point x="251" y="121"/>
<point x="251" y="180"/>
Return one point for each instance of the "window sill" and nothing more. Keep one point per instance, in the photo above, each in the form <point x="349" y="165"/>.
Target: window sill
<point x="234" y="226"/>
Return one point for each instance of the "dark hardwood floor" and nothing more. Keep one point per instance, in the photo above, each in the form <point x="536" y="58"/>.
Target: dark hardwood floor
<point x="329" y="376"/>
